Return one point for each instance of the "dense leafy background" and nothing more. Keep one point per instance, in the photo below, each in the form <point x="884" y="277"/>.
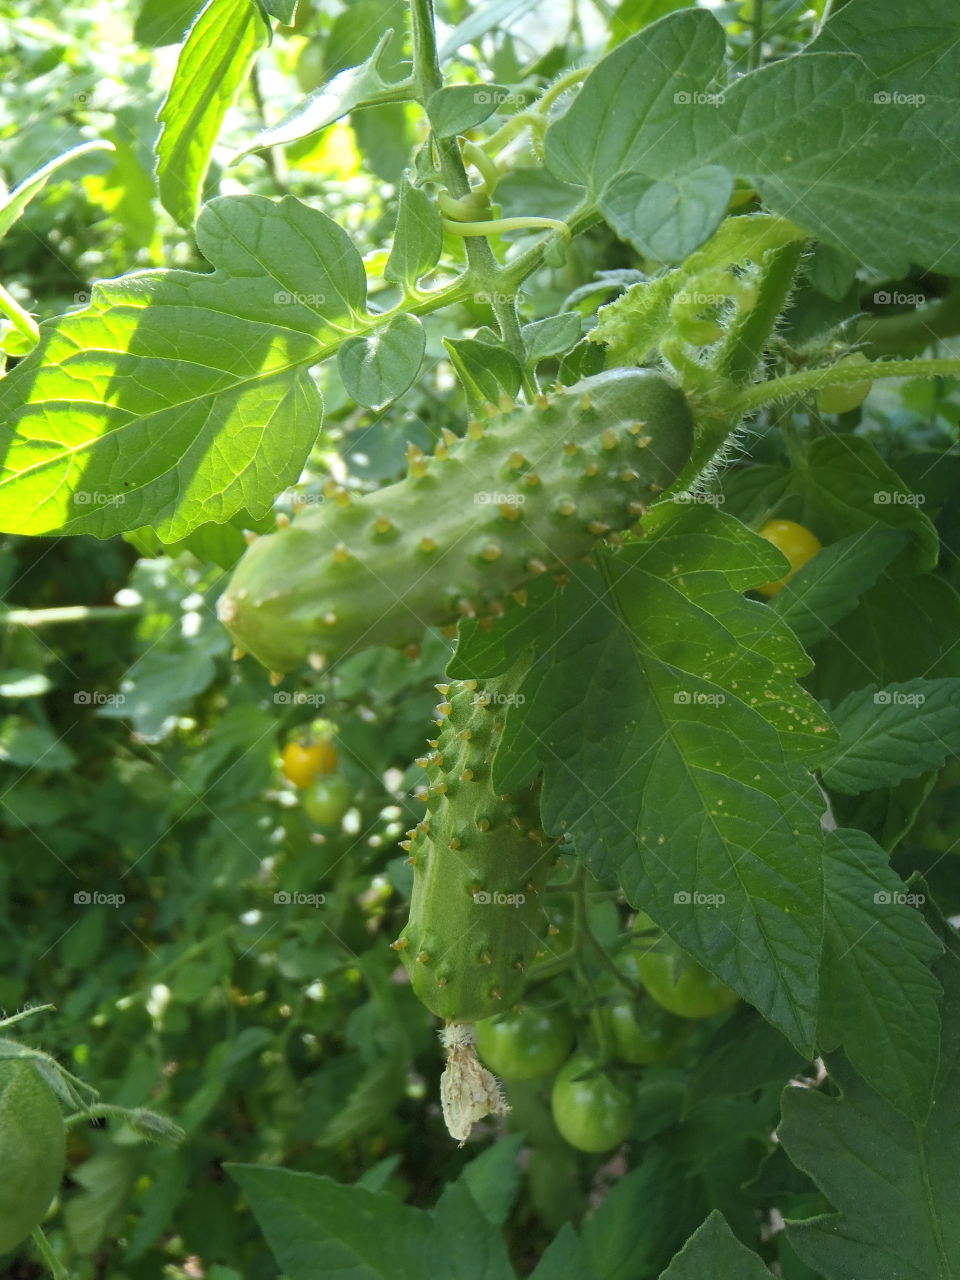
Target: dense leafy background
<point x="161" y="884"/>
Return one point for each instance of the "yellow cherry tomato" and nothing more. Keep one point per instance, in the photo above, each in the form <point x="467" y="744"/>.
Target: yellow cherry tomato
<point x="305" y="761"/>
<point x="796" y="542"/>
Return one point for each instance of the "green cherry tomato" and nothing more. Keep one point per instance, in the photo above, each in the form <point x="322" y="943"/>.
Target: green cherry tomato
<point x="524" y="1045"/>
<point x="848" y="396"/>
<point x="327" y="800"/>
<point x="796" y="542"/>
<point x="679" y="984"/>
<point x="32" y="1150"/>
<point x="643" y="1032"/>
<point x="593" y="1112"/>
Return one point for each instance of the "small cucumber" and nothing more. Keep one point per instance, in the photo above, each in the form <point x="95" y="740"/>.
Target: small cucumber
<point x="527" y="491"/>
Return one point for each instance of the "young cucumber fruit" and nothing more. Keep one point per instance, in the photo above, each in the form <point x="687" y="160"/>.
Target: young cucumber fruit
<point x="479" y="860"/>
<point x="528" y="490"/>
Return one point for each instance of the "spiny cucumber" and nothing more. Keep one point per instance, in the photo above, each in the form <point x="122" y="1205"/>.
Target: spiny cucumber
<point x="527" y="491"/>
<point x="479" y="862"/>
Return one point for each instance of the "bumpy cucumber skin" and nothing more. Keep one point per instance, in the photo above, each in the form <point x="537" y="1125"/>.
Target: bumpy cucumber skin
<point x="479" y="861"/>
<point x="528" y="490"/>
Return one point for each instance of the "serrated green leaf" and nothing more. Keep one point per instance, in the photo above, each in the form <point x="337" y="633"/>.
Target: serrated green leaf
<point x="894" y="1183"/>
<point x="880" y="997"/>
<point x="713" y="1250"/>
<point x="457" y="108"/>
<point x="380" y="366"/>
<point x="873" y="177"/>
<point x="664" y="717"/>
<point x="552" y="336"/>
<point x="565" y="1258"/>
<point x="418" y="238"/>
<point x="635" y="1229"/>
<point x="365" y="85"/>
<point x="316" y="1226"/>
<point x="910" y="47"/>
<point x="905" y="626"/>
<point x="493" y="1178"/>
<point x="888" y="734"/>
<point x="178" y="398"/>
<point x="463" y="1242"/>
<point x="213" y="65"/>
<point x="829" y="586"/>
<point x="667" y="218"/>
<point x="487" y="371"/>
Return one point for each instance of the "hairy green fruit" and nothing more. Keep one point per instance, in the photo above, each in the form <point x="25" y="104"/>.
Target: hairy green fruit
<point x="32" y="1150"/>
<point x="479" y="861"/>
<point x="529" y="490"/>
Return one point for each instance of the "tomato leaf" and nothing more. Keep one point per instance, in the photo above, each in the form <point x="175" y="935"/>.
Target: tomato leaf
<point x="214" y="63"/>
<point x="715" y="1251"/>
<point x="178" y="398"/>
<point x="829" y="586"/>
<point x="639" y="695"/>
<point x="893" y="1182"/>
<point x="880" y="997"/>
<point x="893" y="733"/>
<point x="667" y="218"/>
<point x="814" y="135"/>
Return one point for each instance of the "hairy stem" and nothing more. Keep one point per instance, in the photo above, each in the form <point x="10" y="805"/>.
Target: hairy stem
<point x="840" y="375"/>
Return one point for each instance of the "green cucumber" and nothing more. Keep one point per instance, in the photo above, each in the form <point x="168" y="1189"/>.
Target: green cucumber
<point x="479" y="861"/>
<point x="529" y="490"/>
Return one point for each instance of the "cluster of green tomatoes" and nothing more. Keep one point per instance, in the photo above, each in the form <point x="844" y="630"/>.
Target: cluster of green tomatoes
<point x="592" y="1097"/>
